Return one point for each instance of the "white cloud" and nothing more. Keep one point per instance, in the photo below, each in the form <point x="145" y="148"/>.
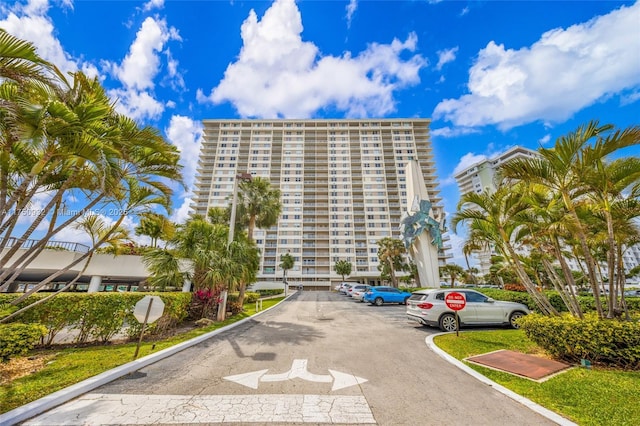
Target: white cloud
<point x="182" y="213"/>
<point x="185" y="134"/>
<point x="448" y="132"/>
<point x="562" y="73"/>
<point x="142" y="63"/>
<point x="351" y="9"/>
<point x="140" y="67"/>
<point x="468" y="160"/>
<point x="30" y="22"/>
<point x="543" y="140"/>
<point x="464" y="11"/>
<point x="153" y="4"/>
<point x="277" y="74"/>
<point x="136" y="105"/>
<point x="445" y="56"/>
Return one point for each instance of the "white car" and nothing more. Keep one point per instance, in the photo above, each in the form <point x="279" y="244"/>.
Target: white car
<point x="428" y="307"/>
<point x="358" y="290"/>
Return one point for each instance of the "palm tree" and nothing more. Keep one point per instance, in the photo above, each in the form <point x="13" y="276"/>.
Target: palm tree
<point x="19" y="62"/>
<point x="343" y="268"/>
<point x="470" y="247"/>
<point x="494" y="219"/>
<point x="391" y="252"/>
<point x="155" y="226"/>
<point x="286" y="262"/>
<point x="258" y="204"/>
<point x="89" y="151"/>
<point x="452" y="271"/>
<point x="218" y="215"/>
<point x="575" y="167"/>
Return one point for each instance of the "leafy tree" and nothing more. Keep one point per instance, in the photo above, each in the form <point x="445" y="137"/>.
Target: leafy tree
<point x="343" y="268"/>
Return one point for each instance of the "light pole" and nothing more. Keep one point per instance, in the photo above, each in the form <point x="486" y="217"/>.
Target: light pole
<point x="232" y="220"/>
<point x="222" y="306"/>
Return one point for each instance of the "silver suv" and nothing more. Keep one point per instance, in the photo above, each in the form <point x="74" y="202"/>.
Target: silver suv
<point x="428" y="308"/>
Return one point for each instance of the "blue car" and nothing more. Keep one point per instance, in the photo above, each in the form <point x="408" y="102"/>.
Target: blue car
<point x="383" y="294"/>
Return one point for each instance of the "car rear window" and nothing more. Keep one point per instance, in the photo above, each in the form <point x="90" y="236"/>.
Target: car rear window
<point x="418" y="297"/>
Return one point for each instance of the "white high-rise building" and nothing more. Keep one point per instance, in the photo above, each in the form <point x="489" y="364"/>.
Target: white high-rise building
<point x="480" y="177"/>
<point x="343" y="188"/>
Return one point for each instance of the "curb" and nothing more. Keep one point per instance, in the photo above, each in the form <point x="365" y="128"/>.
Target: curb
<point x="48" y="402"/>
<point x="554" y="417"/>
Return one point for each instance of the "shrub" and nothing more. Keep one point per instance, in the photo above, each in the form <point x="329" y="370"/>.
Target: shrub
<point x="250" y="297"/>
<point x="100" y="316"/>
<point x="515" y="287"/>
<point x="609" y="342"/>
<point x="17" y="339"/>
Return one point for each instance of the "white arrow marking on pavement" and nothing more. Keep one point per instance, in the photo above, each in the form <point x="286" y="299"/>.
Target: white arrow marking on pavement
<point x="249" y="380"/>
<point x="344" y="380"/>
<point x="298" y="370"/>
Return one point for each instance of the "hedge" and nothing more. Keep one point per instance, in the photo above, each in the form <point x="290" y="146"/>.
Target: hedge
<point x="587" y="303"/>
<point x="17" y="339"/>
<point x="601" y="341"/>
<point x="98" y="316"/>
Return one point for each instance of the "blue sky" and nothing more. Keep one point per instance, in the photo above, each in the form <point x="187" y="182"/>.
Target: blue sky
<point x="490" y="74"/>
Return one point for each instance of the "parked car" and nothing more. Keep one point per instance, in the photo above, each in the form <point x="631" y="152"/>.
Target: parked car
<point x="384" y="294"/>
<point x="344" y="287"/>
<point x="358" y="290"/>
<point x="632" y="293"/>
<point x="428" y="307"/>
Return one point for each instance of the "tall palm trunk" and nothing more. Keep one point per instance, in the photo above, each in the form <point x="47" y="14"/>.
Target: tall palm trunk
<point x="540" y="299"/>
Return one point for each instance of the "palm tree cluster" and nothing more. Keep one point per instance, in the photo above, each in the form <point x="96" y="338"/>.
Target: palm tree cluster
<point x="65" y="154"/>
<point x="577" y="200"/>
<point x="198" y="250"/>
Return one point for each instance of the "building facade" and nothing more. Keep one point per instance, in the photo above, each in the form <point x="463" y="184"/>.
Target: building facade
<point x="343" y="188"/>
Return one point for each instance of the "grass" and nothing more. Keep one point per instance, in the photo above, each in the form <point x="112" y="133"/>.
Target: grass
<point x="589" y="397"/>
<point x="65" y="367"/>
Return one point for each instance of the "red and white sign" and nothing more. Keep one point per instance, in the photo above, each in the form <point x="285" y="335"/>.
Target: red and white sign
<point x="455" y="301"/>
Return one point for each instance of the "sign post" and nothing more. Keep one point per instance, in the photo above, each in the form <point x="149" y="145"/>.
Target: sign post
<point x="456" y="302"/>
<point x="147" y="310"/>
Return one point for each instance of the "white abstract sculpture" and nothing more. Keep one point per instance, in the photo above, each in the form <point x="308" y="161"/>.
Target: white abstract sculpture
<point x="422" y="228"/>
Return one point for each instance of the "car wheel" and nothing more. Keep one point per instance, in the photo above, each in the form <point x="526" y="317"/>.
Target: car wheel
<point x="378" y="301"/>
<point x="515" y="316"/>
<point x="448" y="322"/>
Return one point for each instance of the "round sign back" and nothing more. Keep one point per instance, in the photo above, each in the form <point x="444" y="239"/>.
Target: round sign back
<point x="455" y="301"/>
<point x="141" y="308"/>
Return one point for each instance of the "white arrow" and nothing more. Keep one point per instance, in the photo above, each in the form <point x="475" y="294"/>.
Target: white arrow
<point x="298" y="370"/>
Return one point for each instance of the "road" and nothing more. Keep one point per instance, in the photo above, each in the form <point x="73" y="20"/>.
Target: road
<point x="318" y="358"/>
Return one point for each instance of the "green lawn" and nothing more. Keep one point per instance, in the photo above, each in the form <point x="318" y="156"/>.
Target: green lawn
<point x="594" y="396"/>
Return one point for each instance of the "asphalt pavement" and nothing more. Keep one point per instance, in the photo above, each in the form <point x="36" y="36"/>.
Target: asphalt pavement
<point x="317" y="358"/>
